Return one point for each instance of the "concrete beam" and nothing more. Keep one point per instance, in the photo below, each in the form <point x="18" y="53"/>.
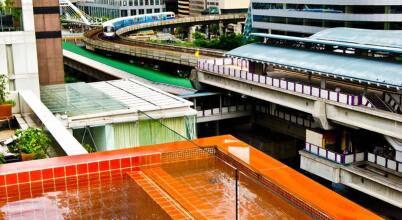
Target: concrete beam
<point x="387" y="188"/>
<point x="273" y="94"/>
<point x="375" y="120"/>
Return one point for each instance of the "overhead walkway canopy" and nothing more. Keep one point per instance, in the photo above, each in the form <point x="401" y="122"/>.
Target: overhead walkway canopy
<point x="371" y="71"/>
<point x="373" y="40"/>
<point x="383" y="38"/>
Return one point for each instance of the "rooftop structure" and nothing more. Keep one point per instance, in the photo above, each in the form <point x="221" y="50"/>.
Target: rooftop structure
<point x="111" y="115"/>
<point x="198" y="7"/>
<point x="303" y="18"/>
<point x="121" y="8"/>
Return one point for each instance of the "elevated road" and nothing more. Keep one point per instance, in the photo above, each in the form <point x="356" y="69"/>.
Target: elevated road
<point x="187" y="21"/>
<point x="161" y="52"/>
<point x="179" y="55"/>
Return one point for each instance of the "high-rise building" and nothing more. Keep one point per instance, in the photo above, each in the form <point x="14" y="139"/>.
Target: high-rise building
<point x="121" y="8"/>
<point x="184" y="8"/>
<point x="196" y="7"/>
<point x="305" y="17"/>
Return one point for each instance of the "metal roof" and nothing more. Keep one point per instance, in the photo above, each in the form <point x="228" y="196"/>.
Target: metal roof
<point x="383" y="38"/>
<point x="372" y="71"/>
<point x="139" y="96"/>
<point x="331" y="42"/>
<point x="109" y="97"/>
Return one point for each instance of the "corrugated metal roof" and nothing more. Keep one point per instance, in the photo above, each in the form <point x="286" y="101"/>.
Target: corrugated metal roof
<point x="368" y="70"/>
<point x="384" y="38"/>
<point x="330" y="42"/>
<point x="79" y="99"/>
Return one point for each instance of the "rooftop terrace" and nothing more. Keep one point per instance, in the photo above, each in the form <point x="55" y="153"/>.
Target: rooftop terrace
<point x="180" y="180"/>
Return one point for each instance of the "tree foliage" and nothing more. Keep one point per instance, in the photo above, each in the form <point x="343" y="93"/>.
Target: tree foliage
<point x="224" y="42"/>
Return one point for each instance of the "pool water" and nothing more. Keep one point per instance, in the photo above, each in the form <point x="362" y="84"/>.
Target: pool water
<point x="113" y="197"/>
<point x="206" y="189"/>
<point x="192" y="189"/>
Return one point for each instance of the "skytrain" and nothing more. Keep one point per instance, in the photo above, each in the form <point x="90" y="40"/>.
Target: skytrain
<point x="110" y="27"/>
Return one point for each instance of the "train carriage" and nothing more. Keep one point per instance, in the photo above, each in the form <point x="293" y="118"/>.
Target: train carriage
<point x="110" y="27"/>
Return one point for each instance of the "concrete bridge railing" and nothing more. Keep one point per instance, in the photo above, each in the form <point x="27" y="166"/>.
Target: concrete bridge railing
<point x="181" y="21"/>
<point x="223" y="66"/>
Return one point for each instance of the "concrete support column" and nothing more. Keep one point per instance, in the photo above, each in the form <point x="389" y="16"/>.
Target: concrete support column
<point x="320" y="115"/>
<point x="323" y="83"/>
<point x="191" y="31"/>
<point x="398" y="156"/>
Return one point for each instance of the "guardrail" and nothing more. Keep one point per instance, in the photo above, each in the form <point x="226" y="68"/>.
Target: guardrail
<point x="333" y="156"/>
<point x="188" y="20"/>
<point x="384" y="162"/>
<point x="224" y="110"/>
<point x="183" y="59"/>
<point x="218" y="66"/>
<point x="302" y="121"/>
<point x="202" y="51"/>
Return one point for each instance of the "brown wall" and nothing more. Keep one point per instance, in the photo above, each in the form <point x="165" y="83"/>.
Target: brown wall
<point x="48" y="41"/>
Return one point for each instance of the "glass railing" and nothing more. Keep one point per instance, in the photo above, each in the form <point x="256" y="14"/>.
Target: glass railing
<point x="11" y="19"/>
<point x="188" y="162"/>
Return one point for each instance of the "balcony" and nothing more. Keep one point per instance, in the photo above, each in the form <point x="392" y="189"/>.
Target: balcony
<point x="10" y="19"/>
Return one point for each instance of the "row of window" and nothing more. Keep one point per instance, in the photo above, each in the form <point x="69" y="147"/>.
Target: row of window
<point x="130" y="2"/>
<point x="114" y="13"/>
<point x="353" y="9"/>
<point x="329" y="23"/>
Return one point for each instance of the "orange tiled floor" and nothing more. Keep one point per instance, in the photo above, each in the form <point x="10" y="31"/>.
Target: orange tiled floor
<point x="102" y="198"/>
<point x="163" y="201"/>
<point x="206" y="189"/>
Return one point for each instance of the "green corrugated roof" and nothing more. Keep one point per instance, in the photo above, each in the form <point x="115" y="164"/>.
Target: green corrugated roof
<point x="142" y="72"/>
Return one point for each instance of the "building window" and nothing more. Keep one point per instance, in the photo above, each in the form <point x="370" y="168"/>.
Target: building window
<point x="149" y="11"/>
<point x="123" y="13"/>
<point x="140" y="11"/>
<point x="157" y="10"/>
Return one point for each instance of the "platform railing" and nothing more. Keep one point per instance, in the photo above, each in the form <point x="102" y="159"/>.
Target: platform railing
<point x="223" y="110"/>
<point x="302" y="121"/>
<point x="384" y="162"/>
<point x="218" y="66"/>
<point x="333" y="156"/>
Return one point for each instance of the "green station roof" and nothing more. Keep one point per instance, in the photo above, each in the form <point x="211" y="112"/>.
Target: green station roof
<point x="146" y="73"/>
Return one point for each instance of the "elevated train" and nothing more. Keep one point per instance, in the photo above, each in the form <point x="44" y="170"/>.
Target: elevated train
<point x="110" y="27"/>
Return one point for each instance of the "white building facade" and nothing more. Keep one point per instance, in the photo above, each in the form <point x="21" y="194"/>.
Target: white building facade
<point x="306" y="17"/>
<point x="18" y="52"/>
<point x="121" y="8"/>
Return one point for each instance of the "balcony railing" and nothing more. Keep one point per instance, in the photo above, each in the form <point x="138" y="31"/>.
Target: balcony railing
<point x="333" y="156"/>
<point x="355" y="157"/>
<point x="385" y="162"/>
<point x="11" y="19"/>
<point x="219" y="66"/>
